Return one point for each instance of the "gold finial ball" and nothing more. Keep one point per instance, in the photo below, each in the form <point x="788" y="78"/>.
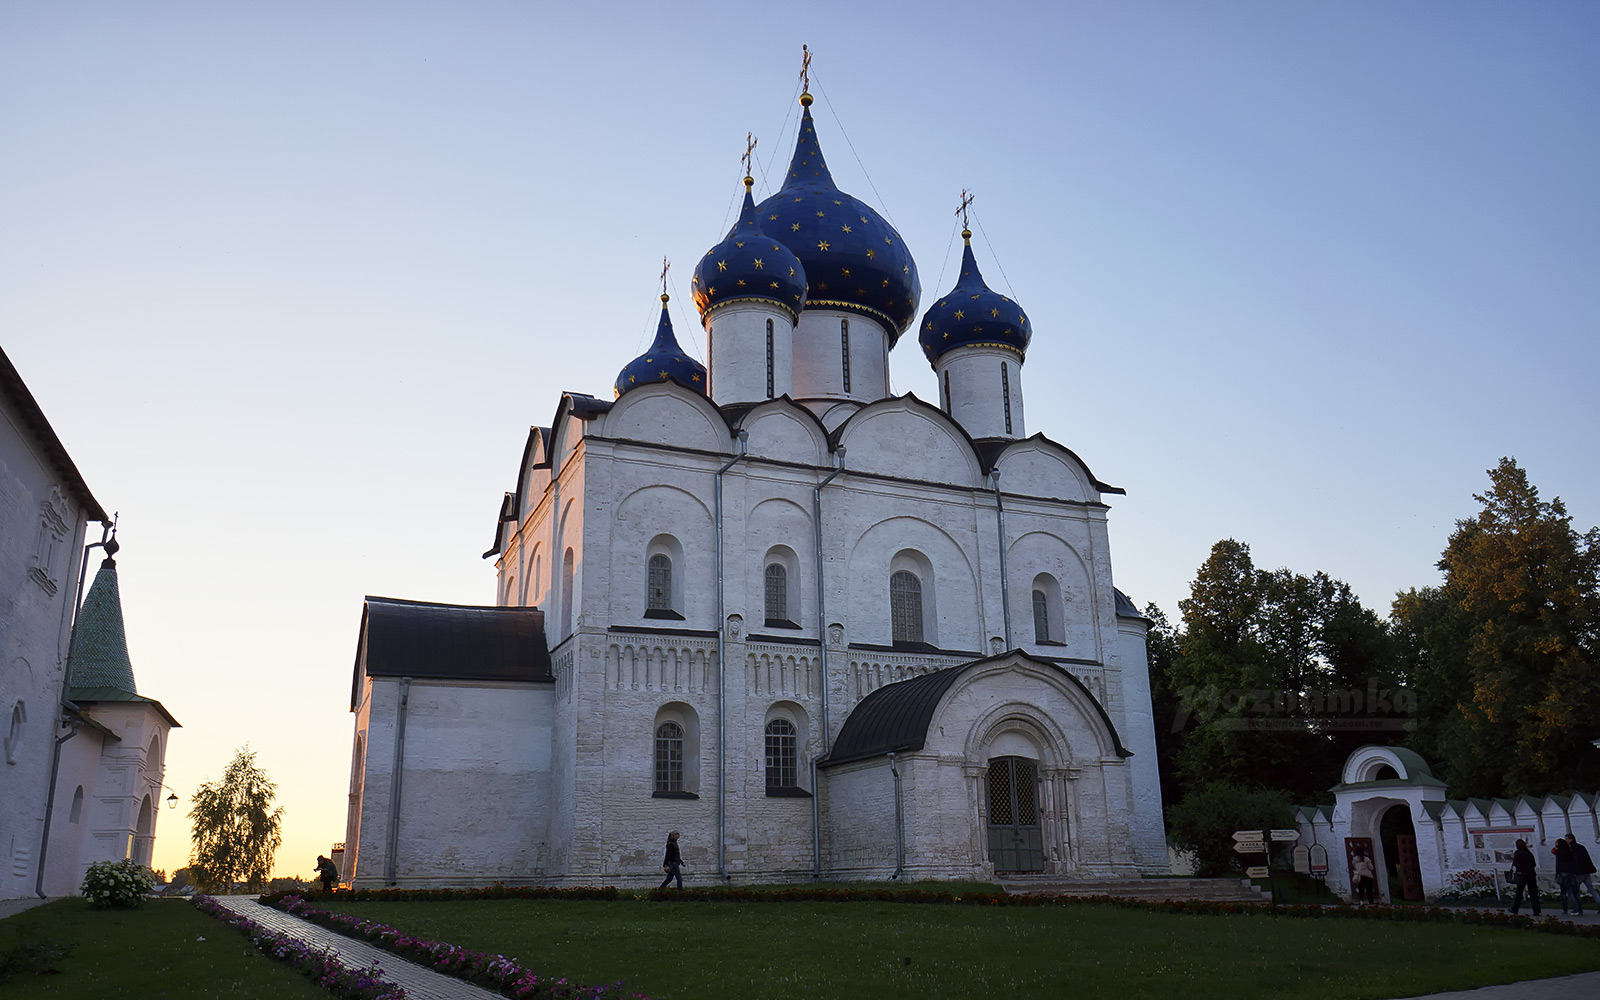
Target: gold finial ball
<point x="664" y="298"/>
<point x="805" y="99"/>
<point x="966" y="234"/>
<point x="749" y="182"/>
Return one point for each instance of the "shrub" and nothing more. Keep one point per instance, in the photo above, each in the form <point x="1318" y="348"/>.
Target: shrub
<point x="117" y="885"/>
<point x="1203" y="823"/>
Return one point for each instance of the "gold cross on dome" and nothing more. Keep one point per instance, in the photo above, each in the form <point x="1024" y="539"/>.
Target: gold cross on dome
<point x="966" y="200"/>
<point x="665" y="267"/>
<point x="805" y="68"/>
<point x="748" y="158"/>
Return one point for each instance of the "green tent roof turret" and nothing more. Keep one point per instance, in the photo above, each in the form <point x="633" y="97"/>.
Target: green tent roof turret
<point x="99" y="642"/>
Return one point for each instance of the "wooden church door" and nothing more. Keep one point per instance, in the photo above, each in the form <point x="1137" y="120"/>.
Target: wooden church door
<point x="1016" y="841"/>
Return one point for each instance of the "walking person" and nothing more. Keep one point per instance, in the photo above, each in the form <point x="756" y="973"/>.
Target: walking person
<point x="1527" y="877"/>
<point x="1365" y="877"/>
<point x="672" y="864"/>
<point x="1585" y="868"/>
<point x="1567" y="877"/>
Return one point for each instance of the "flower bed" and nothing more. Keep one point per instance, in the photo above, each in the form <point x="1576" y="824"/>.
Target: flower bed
<point x="321" y="966"/>
<point x="496" y="891"/>
<point x="496" y="972"/>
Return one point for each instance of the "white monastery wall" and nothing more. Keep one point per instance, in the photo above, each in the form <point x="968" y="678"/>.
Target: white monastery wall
<point x="738" y="352"/>
<point x="979" y="392"/>
<point x="859" y="838"/>
<point x="41" y="534"/>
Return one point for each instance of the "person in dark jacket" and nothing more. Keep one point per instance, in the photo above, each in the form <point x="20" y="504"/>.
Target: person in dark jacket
<point x="1585" y="868"/>
<point x="1527" y="877"/>
<point x="1567" y="877"/>
<point x="328" y="873"/>
<point x="672" y="864"/>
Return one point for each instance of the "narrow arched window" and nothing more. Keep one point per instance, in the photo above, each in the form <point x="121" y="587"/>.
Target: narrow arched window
<point x="1041" y="617"/>
<point x="844" y="348"/>
<point x="669" y="757"/>
<point x="76" y="814"/>
<point x="947" y="392"/>
<point x="777" y="593"/>
<point x="1005" y="386"/>
<point x="769" y="359"/>
<point x="905" y="606"/>
<point x="660" y="590"/>
<point x="566" y="594"/>
<point x="782" y="770"/>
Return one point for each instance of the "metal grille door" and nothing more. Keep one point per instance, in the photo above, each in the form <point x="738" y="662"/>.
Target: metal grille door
<point x="1016" y="841"/>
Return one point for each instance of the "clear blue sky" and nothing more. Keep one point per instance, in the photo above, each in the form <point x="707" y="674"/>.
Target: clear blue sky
<point x="292" y="280"/>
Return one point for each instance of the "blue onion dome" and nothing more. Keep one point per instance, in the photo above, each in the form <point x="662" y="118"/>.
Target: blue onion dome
<point x="663" y="362"/>
<point x="748" y="265"/>
<point x="973" y="315"/>
<point x="854" y="260"/>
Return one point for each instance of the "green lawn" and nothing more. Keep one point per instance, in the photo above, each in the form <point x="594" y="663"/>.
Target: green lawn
<point x="166" y="948"/>
<point x="677" y="951"/>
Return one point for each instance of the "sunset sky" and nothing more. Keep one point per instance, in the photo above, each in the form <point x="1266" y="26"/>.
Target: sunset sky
<point x="292" y="280"/>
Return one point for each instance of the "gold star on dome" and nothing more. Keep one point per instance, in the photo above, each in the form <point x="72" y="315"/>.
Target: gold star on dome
<point x="942" y="302"/>
<point x="1008" y="331"/>
<point x="846" y="228"/>
<point x="797" y="199"/>
<point x="791" y="272"/>
<point x="977" y="329"/>
<point x="871" y="253"/>
<point x="774" y="286"/>
<point x="974" y="296"/>
<point x="821" y="216"/>
<point x="824" y="245"/>
<point x="741" y="282"/>
<point x="757" y="264"/>
<point x="863" y="220"/>
<point x="722" y="265"/>
<point x="861" y="291"/>
<point x="1004" y="299"/>
<point x="663" y="374"/>
<point x="711" y="291"/>
<point x="773" y="217"/>
<point x="1021" y="318"/>
<point x="740" y="243"/>
<point x="794" y="173"/>
<point x="890" y="303"/>
<point x="929" y="327"/>
<point x="695" y="377"/>
<point x="947" y="336"/>
<point x="649" y="361"/>
<point x="995" y="313"/>
<point x="886" y="282"/>
<point x="846" y="272"/>
<point x="776" y="247"/>
<point x="795" y="226"/>
<point x="960" y="314"/>
<point x="907" y="270"/>
<point x="630" y="378"/>
<point x="822" y="286"/>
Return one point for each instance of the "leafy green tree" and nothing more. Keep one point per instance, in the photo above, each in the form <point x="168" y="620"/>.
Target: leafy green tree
<point x="1506" y="654"/>
<point x="1204" y="822"/>
<point x="1267" y="668"/>
<point x="236" y="830"/>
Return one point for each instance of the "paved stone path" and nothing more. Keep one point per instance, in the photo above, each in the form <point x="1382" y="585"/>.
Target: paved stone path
<point x="419" y="983"/>
<point x="11" y="906"/>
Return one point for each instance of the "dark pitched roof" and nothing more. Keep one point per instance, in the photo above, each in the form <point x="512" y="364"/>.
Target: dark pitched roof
<point x="450" y="641"/>
<point x="896" y="717"/>
<point x="13" y="388"/>
<point x="99" y="695"/>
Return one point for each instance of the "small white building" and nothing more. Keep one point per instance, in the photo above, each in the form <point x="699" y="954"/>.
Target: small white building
<point x="818" y="628"/>
<point x="1389" y="805"/>
<point x="75" y="721"/>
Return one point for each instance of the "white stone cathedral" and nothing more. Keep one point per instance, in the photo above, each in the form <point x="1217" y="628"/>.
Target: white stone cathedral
<point x="929" y="671"/>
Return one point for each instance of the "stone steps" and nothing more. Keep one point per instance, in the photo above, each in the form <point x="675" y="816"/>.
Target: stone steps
<point x="1221" y="890"/>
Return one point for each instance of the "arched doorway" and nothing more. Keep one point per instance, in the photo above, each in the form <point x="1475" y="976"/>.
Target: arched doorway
<point x="143" y="841"/>
<point x="1016" y="839"/>
<point x="1399" y="839"/>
